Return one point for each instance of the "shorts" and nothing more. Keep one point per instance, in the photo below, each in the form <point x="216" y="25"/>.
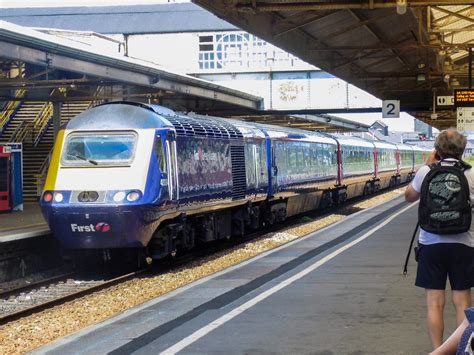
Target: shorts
<point x="436" y="262"/>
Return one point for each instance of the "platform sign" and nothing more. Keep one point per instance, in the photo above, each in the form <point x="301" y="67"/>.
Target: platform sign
<point x="465" y="119"/>
<point x="445" y="100"/>
<point x="464" y="98"/>
<point x="391" y="109"/>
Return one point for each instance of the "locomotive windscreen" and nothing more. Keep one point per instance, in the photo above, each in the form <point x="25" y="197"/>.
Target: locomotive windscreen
<point x="99" y="149"/>
<point x="3" y="175"/>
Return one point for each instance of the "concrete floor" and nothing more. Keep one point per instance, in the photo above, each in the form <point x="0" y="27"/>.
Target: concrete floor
<point x="21" y="224"/>
<point x="352" y="301"/>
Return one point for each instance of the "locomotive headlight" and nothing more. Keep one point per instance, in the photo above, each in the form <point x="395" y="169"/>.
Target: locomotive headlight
<point x="58" y="197"/>
<point x="133" y="196"/>
<point x="47" y="197"/>
<point x="119" y="196"/>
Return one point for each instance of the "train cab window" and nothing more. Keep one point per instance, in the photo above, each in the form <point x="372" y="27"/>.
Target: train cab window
<point x="97" y="149"/>
<point x="160" y="154"/>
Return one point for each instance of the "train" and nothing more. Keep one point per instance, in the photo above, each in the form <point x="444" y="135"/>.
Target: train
<point x="134" y="176"/>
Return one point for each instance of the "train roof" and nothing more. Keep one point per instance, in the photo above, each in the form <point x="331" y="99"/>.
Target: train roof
<point x="402" y="146"/>
<point x="421" y="149"/>
<point x="118" y="115"/>
<point x="384" y="145"/>
<point x="248" y="129"/>
<point x="350" y="140"/>
<point x="292" y="133"/>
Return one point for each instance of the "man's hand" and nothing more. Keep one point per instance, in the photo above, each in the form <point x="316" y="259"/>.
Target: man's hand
<point x="433" y="158"/>
<point x="411" y="195"/>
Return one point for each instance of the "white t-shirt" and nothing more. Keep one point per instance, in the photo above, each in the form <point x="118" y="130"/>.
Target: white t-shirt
<point x="425" y="237"/>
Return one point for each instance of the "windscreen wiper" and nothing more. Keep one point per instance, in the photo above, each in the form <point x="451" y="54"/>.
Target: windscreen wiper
<point x="83" y="158"/>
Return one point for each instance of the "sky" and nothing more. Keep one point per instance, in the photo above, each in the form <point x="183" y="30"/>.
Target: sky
<point x="63" y="3"/>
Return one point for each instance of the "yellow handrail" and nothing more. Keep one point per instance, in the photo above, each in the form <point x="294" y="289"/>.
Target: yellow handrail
<point x="43" y="117"/>
<point x="23" y="131"/>
<point x="11" y="106"/>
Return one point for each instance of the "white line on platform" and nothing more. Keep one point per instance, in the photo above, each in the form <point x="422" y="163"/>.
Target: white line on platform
<point x="236" y="311"/>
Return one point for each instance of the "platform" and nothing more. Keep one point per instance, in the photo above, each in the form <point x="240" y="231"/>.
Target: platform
<point x="25" y="224"/>
<point x="339" y="290"/>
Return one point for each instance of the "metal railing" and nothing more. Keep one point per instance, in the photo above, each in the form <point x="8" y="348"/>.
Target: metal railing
<point x="42" y="122"/>
<point x="40" y="177"/>
<point x="21" y="132"/>
<point x="10" y="109"/>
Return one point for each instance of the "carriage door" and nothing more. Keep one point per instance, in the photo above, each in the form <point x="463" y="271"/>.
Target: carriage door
<point x="172" y="163"/>
<point x="274" y="170"/>
<point x="5" y="182"/>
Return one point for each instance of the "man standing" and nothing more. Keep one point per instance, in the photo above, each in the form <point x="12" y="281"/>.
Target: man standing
<point x="443" y="256"/>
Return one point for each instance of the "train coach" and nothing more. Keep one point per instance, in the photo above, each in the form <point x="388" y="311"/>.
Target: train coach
<point x="134" y="176"/>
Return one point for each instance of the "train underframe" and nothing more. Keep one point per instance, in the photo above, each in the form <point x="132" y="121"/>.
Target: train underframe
<point x="184" y="232"/>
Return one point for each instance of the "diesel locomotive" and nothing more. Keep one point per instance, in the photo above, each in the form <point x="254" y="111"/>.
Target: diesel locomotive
<point x="127" y="175"/>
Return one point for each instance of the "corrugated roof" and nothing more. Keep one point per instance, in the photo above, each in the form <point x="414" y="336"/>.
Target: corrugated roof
<point x="81" y="58"/>
<point x="134" y="19"/>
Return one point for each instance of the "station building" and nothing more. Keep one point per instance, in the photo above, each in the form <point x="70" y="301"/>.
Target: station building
<point x="194" y="41"/>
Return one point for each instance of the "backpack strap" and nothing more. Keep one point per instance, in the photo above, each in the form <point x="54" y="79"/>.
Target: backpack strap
<point x="465" y="166"/>
<point x="461" y="164"/>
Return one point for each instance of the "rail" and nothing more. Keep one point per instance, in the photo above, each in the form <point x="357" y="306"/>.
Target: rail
<point x="42" y="122"/>
<point x="40" y="176"/>
<point x="21" y="132"/>
<point x="56" y="294"/>
<point x="10" y="109"/>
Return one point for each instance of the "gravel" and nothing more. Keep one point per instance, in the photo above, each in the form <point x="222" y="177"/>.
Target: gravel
<point x="29" y="333"/>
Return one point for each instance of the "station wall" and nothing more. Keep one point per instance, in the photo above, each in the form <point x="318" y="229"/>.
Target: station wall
<point x="244" y="62"/>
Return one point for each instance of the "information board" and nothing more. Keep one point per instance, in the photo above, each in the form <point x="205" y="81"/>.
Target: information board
<point x="445" y="100"/>
<point x="465" y="119"/>
<point x="464" y="98"/>
<point x="391" y="109"/>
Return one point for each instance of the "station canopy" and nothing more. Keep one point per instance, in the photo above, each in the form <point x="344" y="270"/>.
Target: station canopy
<point x="35" y="66"/>
<point x="407" y="50"/>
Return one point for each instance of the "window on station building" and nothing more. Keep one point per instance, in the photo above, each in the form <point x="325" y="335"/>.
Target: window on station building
<point x="240" y="51"/>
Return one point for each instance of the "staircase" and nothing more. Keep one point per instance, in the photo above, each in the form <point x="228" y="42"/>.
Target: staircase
<point x="26" y="114"/>
<point x="34" y="157"/>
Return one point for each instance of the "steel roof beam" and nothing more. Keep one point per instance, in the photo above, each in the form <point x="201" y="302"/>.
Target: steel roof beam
<point x="455" y="14"/>
<point x="376" y="36"/>
<point x="152" y="79"/>
<point x="355" y="26"/>
<point x="257" y="6"/>
<point x="291" y="26"/>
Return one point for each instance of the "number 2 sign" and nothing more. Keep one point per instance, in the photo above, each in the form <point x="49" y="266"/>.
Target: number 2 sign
<point x="391" y="109"/>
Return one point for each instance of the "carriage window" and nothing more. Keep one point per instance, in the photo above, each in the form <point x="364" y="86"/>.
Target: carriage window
<point x="92" y="149"/>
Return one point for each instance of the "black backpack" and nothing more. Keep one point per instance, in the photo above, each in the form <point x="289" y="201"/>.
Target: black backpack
<point x="445" y="203"/>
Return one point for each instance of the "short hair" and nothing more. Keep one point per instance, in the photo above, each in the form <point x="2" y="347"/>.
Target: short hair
<point x="450" y="144"/>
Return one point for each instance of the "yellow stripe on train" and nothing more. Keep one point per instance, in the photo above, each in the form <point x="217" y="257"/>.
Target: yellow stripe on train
<point x="54" y="164"/>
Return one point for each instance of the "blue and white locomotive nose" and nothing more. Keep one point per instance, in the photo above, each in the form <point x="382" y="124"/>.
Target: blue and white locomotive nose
<point x="103" y="188"/>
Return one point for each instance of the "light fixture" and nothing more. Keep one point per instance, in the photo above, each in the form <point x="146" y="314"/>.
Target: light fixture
<point x="401" y="7"/>
<point x="455" y="82"/>
<point x="420" y="77"/>
<point x="446" y="78"/>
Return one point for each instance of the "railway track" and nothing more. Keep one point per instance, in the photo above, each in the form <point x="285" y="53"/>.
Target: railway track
<point x="25" y="301"/>
<point x="33" y="298"/>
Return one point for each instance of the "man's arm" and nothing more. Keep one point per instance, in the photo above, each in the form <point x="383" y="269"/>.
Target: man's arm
<point x="411" y="195"/>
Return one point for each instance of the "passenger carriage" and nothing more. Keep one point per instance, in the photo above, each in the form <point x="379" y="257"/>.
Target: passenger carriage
<point x="406" y="167"/>
<point x="386" y="167"/>
<point x="130" y="175"/>
<point x="357" y="165"/>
